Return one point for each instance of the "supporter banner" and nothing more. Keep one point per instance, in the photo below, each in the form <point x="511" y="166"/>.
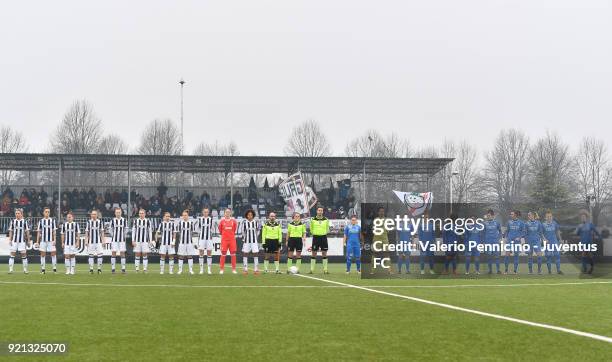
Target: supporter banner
<point x="416" y="202"/>
<point x="299" y="197"/>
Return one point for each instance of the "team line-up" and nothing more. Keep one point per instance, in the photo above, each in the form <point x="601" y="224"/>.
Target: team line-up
<point x="531" y="232"/>
<point x="532" y="237"/>
<point x="174" y="237"/>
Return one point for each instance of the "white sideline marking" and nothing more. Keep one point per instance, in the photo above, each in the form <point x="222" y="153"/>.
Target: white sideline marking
<point x="299" y="286"/>
<point x="170" y="285"/>
<point x="466" y="310"/>
<point x="484" y="285"/>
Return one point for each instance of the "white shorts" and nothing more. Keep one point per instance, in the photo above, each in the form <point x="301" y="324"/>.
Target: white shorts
<point x="142" y="247"/>
<point x="47" y="247"/>
<point x="70" y="250"/>
<point x="205" y="245"/>
<point x="166" y="249"/>
<point x="95" y="249"/>
<point x="18" y="247"/>
<point x="118" y="246"/>
<point x="186" y="249"/>
<point x="250" y="248"/>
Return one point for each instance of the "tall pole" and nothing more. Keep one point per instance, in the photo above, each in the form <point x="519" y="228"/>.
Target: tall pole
<point x="129" y="180"/>
<point x="59" y="193"/>
<point x="182" y="83"/>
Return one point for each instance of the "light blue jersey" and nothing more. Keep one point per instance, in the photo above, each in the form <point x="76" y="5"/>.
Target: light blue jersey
<point x="550" y="230"/>
<point x="516" y="230"/>
<point x="352" y="233"/>
<point x="533" y="232"/>
<point x="492" y="231"/>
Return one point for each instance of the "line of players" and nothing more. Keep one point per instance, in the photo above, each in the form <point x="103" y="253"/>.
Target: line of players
<point x="532" y="232"/>
<point x="168" y="234"/>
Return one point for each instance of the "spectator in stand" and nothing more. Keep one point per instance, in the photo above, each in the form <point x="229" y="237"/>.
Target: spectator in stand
<point x="162" y="189"/>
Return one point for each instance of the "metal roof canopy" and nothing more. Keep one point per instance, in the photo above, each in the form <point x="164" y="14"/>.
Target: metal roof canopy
<point x="224" y="164"/>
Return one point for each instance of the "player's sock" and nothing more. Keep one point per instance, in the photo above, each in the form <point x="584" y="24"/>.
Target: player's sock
<point x="446" y="263"/>
<point x="399" y="264"/>
<point x="477" y="264"/>
<point x="406" y="264"/>
<point x="222" y="261"/>
<point x="325" y="264"/>
<point x="114" y="262"/>
<point x="358" y="264"/>
<point x="11" y="263"/>
<point x="171" y="264"/>
<point x="145" y="263"/>
<point x="42" y="262"/>
<point x="24" y="262"/>
<point x="277" y="265"/>
<point x="162" y="262"/>
<point x="266" y="263"/>
<point x="256" y="263"/>
<point x="539" y="264"/>
<point x="91" y="260"/>
<point x="201" y="260"/>
<point x="584" y="263"/>
<point x="422" y="261"/>
<point x="298" y="263"/>
<point x="530" y="264"/>
<point x="467" y="263"/>
<point x="180" y="267"/>
<point x="431" y="262"/>
<point x="67" y="264"/>
<point x="190" y="262"/>
<point x="558" y="262"/>
<point x="209" y="261"/>
<point x="313" y="261"/>
<point x="137" y="263"/>
<point x="506" y="262"/>
<point x="592" y="262"/>
<point x="233" y="261"/>
<point x="497" y="263"/>
<point x="99" y="261"/>
<point x="348" y="263"/>
<point x="516" y="261"/>
<point x="122" y="263"/>
<point x="548" y="264"/>
<point x="54" y="261"/>
<point x="289" y="263"/>
<point x="454" y="264"/>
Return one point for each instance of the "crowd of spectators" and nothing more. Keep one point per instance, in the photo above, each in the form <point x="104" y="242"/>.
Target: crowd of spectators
<point x="33" y="201"/>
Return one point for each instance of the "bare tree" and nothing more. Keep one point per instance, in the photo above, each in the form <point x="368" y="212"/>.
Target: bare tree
<point x="594" y="171"/>
<point x="550" y="164"/>
<point x="373" y="144"/>
<point x="308" y="140"/>
<point x="464" y="166"/>
<point x="112" y="145"/>
<point x="163" y="138"/>
<point x="11" y="141"/>
<point x="216" y="148"/>
<point x="160" y="137"/>
<point x="506" y="167"/>
<point x="79" y="132"/>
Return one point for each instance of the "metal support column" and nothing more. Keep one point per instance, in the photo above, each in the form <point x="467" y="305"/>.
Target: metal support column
<point x="232" y="185"/>
<point x="129" y="181"/>
<point x="59" y="193"/>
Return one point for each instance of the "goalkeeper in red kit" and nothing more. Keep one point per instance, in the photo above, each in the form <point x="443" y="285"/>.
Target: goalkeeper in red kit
<point x="227" y="230"/>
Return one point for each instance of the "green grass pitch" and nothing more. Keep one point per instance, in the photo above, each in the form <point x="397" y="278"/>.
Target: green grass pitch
<point x="286" y="317"/>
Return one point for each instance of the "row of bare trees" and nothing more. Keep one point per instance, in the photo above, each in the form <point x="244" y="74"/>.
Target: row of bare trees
<point x="514" y="170"/>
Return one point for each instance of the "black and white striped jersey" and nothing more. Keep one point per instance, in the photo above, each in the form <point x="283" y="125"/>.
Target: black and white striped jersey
<point x="249" y="230"/>
<point x="94" y="230"/>
<point x="205" y="227"/>
<point x="19" y="228"/>
<point x="117" y="229"/>
<point x="185" y="230"/>
<point x="47" y="228"/>
<point x="167" y="230"/>
<point x="142" y="231"/>
<point x="70" y="230"/>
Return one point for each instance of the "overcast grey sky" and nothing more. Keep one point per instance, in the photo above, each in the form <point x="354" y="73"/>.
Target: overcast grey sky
<point x="426" y="69"/>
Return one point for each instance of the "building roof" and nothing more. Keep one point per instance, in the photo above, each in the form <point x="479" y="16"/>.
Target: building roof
<point x="224" y="164"/>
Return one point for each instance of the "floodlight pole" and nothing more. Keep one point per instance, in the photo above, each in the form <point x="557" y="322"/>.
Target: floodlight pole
<point x="182" y="83"/>
<point x="129" y="180"/>
<point x="450" y="181"/>
<point x="232" y="185"/>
